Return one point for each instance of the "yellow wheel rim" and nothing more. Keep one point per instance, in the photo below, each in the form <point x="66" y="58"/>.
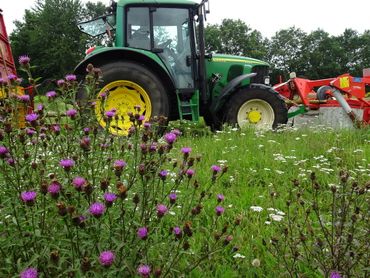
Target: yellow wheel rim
<point x="257" y="113"/>
<point x="123" y="96"/>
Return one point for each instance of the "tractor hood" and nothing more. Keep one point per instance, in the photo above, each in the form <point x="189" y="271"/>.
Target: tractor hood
<point x="230" y="67"/>
<point x="232" y="59"/>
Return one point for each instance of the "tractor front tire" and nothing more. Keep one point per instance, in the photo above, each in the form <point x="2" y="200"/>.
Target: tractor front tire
<point x="127" y="86"/>
<point x="256" y="106"/>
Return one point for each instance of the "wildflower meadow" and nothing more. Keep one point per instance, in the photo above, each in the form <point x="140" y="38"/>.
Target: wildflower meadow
<point x="164" y="201"/>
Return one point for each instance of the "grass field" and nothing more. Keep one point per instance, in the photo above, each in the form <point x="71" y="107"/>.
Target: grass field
<point x="262" y="165"/>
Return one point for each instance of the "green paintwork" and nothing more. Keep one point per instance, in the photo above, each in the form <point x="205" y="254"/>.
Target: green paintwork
<point x="220" y="64"/>
<point x="301" y="110"/>
<point x="101" y="50"/>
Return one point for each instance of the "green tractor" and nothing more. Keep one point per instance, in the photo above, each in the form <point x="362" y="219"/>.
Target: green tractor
<point x="157" y="60"/>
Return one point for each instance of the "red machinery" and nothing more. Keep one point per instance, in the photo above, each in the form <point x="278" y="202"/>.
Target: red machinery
<point x="346" y="93"/>
<point x="6" y="58"/>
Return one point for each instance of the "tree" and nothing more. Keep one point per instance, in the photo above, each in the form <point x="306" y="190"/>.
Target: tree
<point x="321" y="54"/>
<point x="49" y="35"/>
<point x="285" y="52"/>
<point x="236" y="38"/>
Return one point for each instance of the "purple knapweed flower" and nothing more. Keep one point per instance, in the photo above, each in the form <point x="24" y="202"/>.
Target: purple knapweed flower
<point x="220" y="197"/>
<point x="97" y="209"/>
<point x="143" y="270"/>
<point x="67" y="164"/>
<point x="71" y="113"/>
<point x="109" y="198"/>
<point x="24" y="60"/>
<point x="190" y="173"/>
<point x="70" y="77"/>
<point x="172" y="198"/>
<point x="12" y="77"/>
<point x="119" y="164"/>
<point x="61" y="82"/>
<point x="147" y="125"/>
<point x="111" y="113"/>
<point x="186" y="150"/>
<point x="106" y="258"/>
<point x="51" y="95"/>
<point x="170" y="138"/>
<point x="29" y="273"/>
<point x="177" y="232"/>
<point x="161" y="210"/>
<point x="176" y="132"/>
<point x="215" y="169"/>
<point x="142" y="233"/>
<point x="31" y="118"/>
<point x="141" y="118"/>
<point x="54" y="189"/>
<point x="40" y="107"/>
<point x="2" y="81"/>
<point x="30" y="131"/>
<point x="24" y="98"/>
<point x="163" y="174"/>
<point x="79" y="182"/>
<point x="28" y="197"/>
<point x="55" y="128"/>
<point x="3" y="151"/>
<point x="335" y="274"/>
<point x="219" y="210"/>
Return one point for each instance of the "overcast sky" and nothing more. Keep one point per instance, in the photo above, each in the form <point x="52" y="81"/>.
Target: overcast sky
<point x="267" y="16"/>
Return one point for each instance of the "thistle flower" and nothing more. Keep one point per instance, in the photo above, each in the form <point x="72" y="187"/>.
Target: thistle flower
<point x="215" y="169"/>
<point x="177" y="232"/>
<point x="97" y="209"/>
<point x="51" y="95"/>
<point x="161" y="210"/>
<point x="30" y="131"/>
<point x="219" y="210"/>
<point x="71" y="113"/>
<point x="109" y="198"/>
<point x="31" y="118"/>
<point x="78" y="182"/>
<point x="220" y="198"/>
<point x="170" y="138"/>
<point x="3" y="151"/>
<point x="147" y="125"/>
<point x="143" y="270"/>
<point x="67" y="164"/>
<point x="111" y="113"/>
<point x="172" y="198"/>
<point x="29" y="273"/>
<point x="190" y="173"/>
<point x="163" y="174"/>
<point x="186" y="150"/>
<point x="28" y="197"/>
<point x="24" y="60"/>
<point x="54" y="189"/>
<point x="119" y="164"/>
<point x="106" y="258"/>
<point x="12" y="77"/>
<point x="142" y="233"/>
<point x="61" y="82"/>
<point x="70" y="77"/>
<point x="335" y="274"/>
<point x="24" y="98"/>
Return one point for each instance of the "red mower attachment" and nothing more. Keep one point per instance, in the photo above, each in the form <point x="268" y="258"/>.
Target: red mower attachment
<point x="333" y="96"/>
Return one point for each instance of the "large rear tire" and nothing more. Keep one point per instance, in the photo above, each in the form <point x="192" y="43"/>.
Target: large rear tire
<point x="258" y="107"/>
<point x="127" y="85"/>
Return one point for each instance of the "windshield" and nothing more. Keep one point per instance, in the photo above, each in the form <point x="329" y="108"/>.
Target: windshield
<point x="166" y="31"/>
<point x="98" y="26"/>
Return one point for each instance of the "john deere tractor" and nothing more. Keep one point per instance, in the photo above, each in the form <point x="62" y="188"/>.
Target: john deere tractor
<point x="157" y="60"/>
